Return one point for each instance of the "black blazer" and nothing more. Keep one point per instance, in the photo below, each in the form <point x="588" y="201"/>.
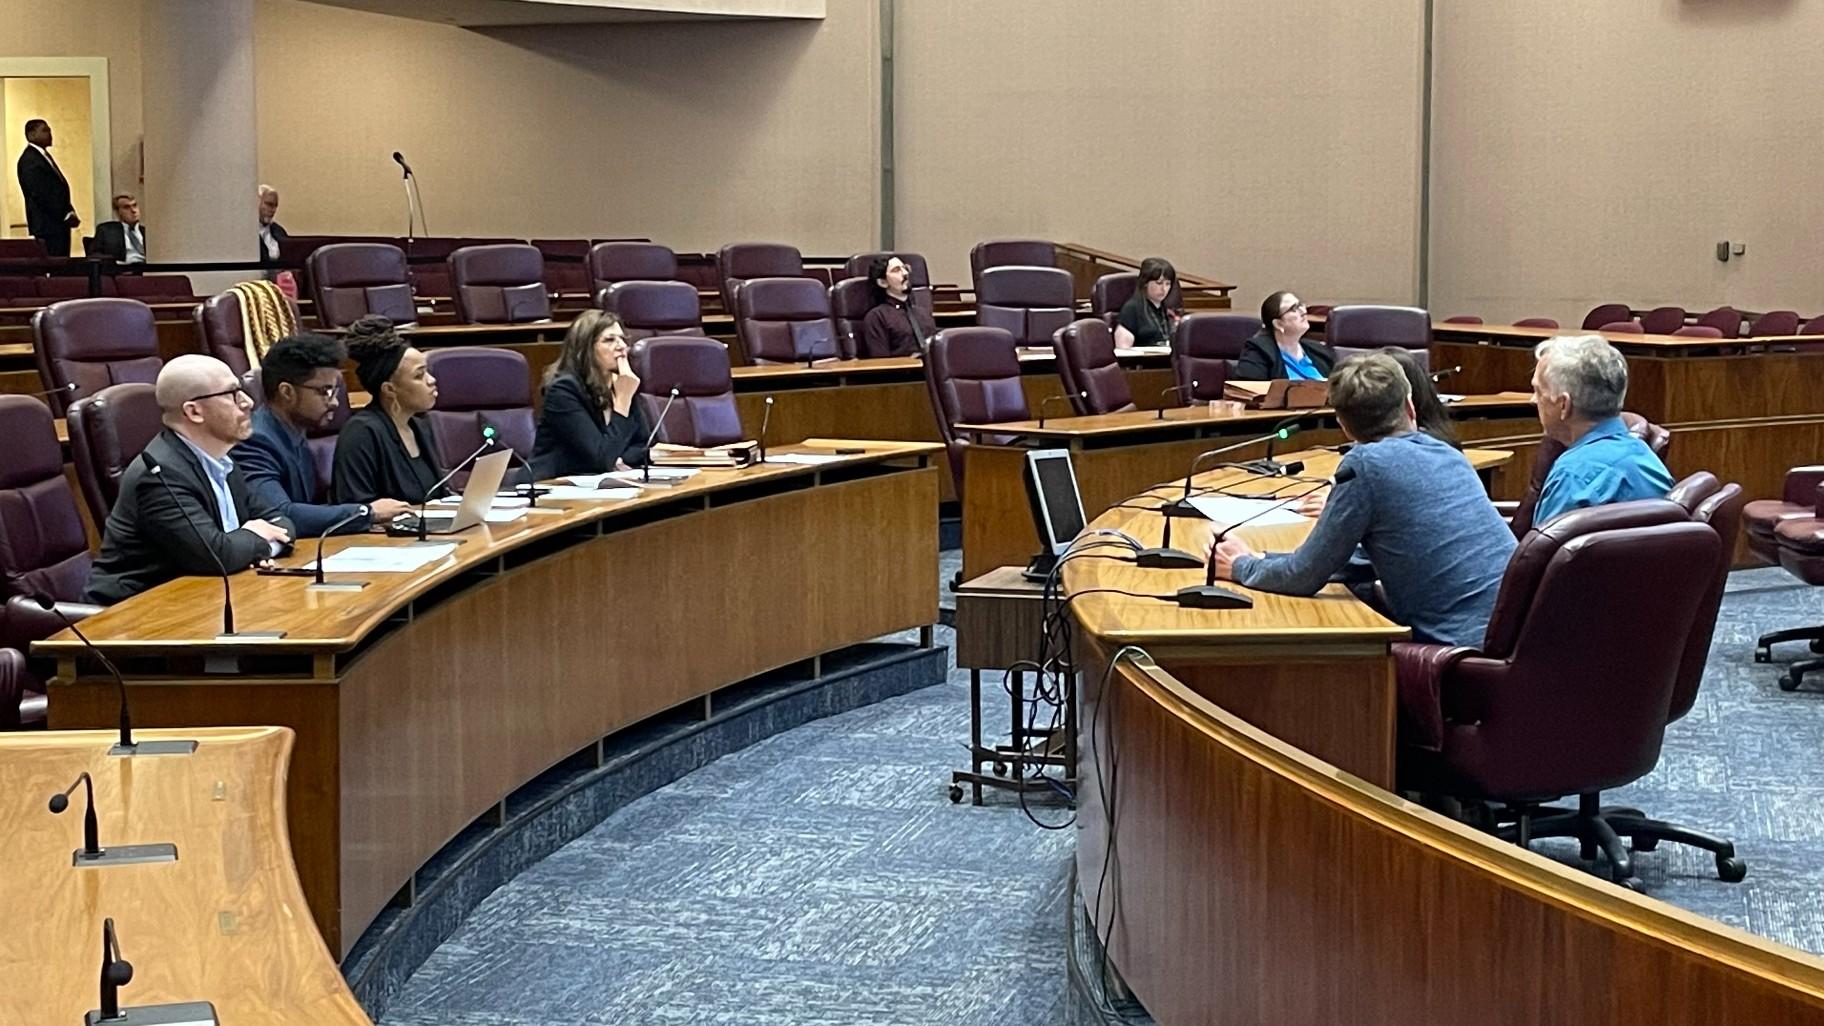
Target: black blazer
<point x="575" y="436"/>
<point x="47" y="195"/>
<point x="279" y="235"/>
<point x="146" y="541"/>
<point x="371" y="461"/>
<point x="111" y="239"/>
<point x="1260" y="358"/>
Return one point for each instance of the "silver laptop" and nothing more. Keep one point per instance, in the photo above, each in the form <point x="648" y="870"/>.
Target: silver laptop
<point x="477" y="496"/>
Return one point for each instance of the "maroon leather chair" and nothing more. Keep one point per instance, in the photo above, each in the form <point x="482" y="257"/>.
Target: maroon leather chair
<point x="704" y="413"/>
<point x="611" y="262"/>
<point x="15" y="698"/>
<point x="1790" y="531"/>
<point x="154" y="288"/>
<point x="1352" y="330"/>
<point x="1727" y="321"/>
<point x="787" y="320"/>
<point x="1463" y="319"/>
<point x="502" y="284"/>
<point x="478" y="386"/>
<point x="107" y="431"/>
<point x="1030" y="303"/>
<point x="1699" y="331"/>
<point x="738" y="262"/>
<point x="1815" y="326"/>
<point x="1112" y="291"/>
<point x="973" y="377"/>
<point x="1520" y="514"/>
<point x="43" y="551"/>
<point x="218" y="323"/>
<point x="1663" y="320"/>
<point x="1556" y="703"/>
<point x="648" y="308"/>
<point x="1205" y="347"/>
<point x="850" y="301"/>
<point x="1009" y="253"/>
<point x="319" y="440"/>
<point x="1607" y="313"/>
<point x="68" y="287"/>
<point x="1798" y="499"/>
<point x="1093" y="380"/>
<point x="84" y="345"/>
<point x="1536" y="322"/>
<point x="564" y="270"/>
<point x="349" y="280"/>
<point x="1624" y="327"/>
<point x="1774" y="322"/>
<point x="920" y="287"/>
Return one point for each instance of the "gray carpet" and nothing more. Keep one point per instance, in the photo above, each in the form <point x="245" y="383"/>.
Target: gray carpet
<point x="822" y="877"/>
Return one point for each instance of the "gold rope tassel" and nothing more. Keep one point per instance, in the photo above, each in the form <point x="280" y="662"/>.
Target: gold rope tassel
<point x="266" y="317"/>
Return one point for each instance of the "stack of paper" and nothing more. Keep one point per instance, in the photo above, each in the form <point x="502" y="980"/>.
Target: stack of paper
<point x="386" y="559"/>
<point x="1228" y="510"/>
<point x="578" y="492"/>
<point x="734" y="454"/>
<point x="670" y="475"/>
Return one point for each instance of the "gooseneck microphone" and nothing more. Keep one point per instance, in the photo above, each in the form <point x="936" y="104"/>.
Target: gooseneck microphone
<point x="1209" y="595"/>
<point x="1440" y="375"/>
<point x="116" y="972"/>
<point x="1281" y="431"/>
<point x="1164" y="557"/>
<point x="399" y="159"/>
<point x="765" y="419"/>
<point x="126" y="746"/>
<point x="228" y="632"/>
<point x="1054" y="398"/>
<point x="531" y="490"/>
<point x="322" y="585"/>
<point x="91" y="830"/>
<point x="657" y="425"/>
<point x="487" y="442"/>
<point x="1190" y="389"/>
<point x="59" y="390"/>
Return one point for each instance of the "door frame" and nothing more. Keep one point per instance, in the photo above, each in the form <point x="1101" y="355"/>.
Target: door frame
<point x="101" y="136"/>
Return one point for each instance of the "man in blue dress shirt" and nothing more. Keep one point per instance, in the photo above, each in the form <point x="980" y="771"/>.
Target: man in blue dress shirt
<point x="1579" y="383"/>
<point x="302" y="378"/>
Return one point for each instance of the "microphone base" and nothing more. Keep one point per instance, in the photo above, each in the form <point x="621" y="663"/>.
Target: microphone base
<point x="1209" y="596"/>
<point x="124" y="855"/>
<point x="187" y="1013"/>
<point x="335" y="586"/>
<point x="1167" y="559"/>
<point x="1179" y="508"/>
<point x="154" y="748"/>
<point x="250" y="636"/>
<point x="1268" y="467"/>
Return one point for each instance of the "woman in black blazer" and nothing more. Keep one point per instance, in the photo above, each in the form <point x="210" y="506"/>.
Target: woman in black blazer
<point x="589" y="423"/>
<point x="385" y="450"/>
<point x="1279" y="349"/>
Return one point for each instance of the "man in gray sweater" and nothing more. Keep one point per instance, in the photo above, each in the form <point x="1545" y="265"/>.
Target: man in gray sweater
<point x="1413" y="503"/>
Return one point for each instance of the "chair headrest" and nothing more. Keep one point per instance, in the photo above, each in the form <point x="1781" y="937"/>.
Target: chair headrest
<point x="357" y="264"/>
<point x="783" y="299"/>
<point x="1026" y="286"/>
<point x="695" y="366"/>
<point x="32" y="452"/>
<point x="654" y="303"/>
<point x="632" y="261"/>
<point x="511" y="264"/>
<point x="480" y="378"/>
<point x="98" y="329"/>
<point x="975" y="353"/>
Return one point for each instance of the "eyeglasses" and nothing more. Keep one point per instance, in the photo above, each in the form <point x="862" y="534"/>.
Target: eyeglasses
<point x="327" y="392"/>
<point x="1294" y="308"/>
<point x="236" y="390"/>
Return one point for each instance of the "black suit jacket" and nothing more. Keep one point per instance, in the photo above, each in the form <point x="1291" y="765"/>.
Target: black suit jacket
<point x="47" y="195"/>
<point x="147" y="541"/>
<point x="575" y="436"/>
<point x="111" y="239"/>
<point x="1260" y="358"/>
<point x="279" y="235"/>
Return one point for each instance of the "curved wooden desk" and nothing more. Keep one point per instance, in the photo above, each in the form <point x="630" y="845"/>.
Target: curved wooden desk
<point x="226" y="923"/>
<point x="424" y="700"/>
<point x="1262" y="872"/>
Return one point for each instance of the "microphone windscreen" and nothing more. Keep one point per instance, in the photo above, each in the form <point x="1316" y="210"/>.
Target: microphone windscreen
<point x="1343" y="474"/>
<point x="60" y="802"/>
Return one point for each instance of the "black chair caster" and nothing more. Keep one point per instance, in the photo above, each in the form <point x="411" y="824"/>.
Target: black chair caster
<point x="1790" y="681"/>
<point x="956" y="794"/>
<point x="1731" y="870"/>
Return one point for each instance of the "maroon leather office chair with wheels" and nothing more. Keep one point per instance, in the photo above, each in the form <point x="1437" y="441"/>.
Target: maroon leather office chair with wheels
<point x="1774" y="322"/>
<point x="1607" y="313"/>
<point x="648" y="308"/>
<point x="501" y="284"/>
<point x="1556" y="702"/>
<point x="1009" y="253"/>
<point x="1031" y="303"/>
<point x="1663" y="320"/>
<point x="740" y="262"/>
<point x="1463" y="319"/>
<point x="1205" y="347"/>
<point x="1536" y="322"/>
<point x="787" y="320"/>
<point x="611" y="262"/>
<point x="973" y="377"/>
<point x="1624" y="328"/>
<point x="107" y="431"/>
<point x="349" y="280"/>
<point x="479" y="387"/>
<point x="1092" y="379"/>
<point x="1727" y="321"/>
<point x="84" y="345"/>
<point x="1789" y="531"/>
<point x="1352" y="330"/>
<point x="705" y="413"/>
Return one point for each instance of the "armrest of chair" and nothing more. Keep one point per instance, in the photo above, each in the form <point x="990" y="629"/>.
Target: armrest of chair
<point x="1418" y="671"/>
<point x="23" y="620"/>
<point x="1802" y="484"/>
<point x="12" y="687"/>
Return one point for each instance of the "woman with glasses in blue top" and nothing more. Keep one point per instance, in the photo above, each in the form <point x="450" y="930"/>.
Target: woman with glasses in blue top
<point x="1279" y="349"/>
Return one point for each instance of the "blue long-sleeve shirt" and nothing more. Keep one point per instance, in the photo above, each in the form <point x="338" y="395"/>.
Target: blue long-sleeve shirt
<point x="1608" y="464"/>
<point x="276" y="462"/>
<point x="1417" y="508"/>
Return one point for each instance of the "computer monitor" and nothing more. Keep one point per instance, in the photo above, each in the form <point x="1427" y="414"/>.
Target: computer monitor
<point x="1057" y="508"/>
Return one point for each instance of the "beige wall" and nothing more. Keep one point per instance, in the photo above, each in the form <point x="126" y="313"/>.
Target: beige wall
<point x="83" y="28"/>
<point x="1216" y="135"/>
<point x="1588" y="152"/>
<point x="695" y="134"/>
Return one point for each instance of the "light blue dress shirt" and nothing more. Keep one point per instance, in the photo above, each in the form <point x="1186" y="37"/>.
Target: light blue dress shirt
<point x="217" y="471"/>
<point x="1301" y="369"/>
<point x="1608" y="464"/>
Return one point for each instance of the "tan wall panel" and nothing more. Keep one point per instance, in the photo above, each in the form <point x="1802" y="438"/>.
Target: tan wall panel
<point x="1232" y="139"/>
<point x="83" y="28"/>
<point x="695" y="134"/>
<point x="1586" y="153"/>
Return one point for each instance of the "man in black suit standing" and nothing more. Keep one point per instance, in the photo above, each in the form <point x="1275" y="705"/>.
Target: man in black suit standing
<point x="123" y="238"/>
<point x="48" y="213"/>
<point x="195" y="516"/>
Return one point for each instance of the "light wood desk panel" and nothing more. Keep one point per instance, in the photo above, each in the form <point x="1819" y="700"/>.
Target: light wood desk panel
<point x="226" y="923"/>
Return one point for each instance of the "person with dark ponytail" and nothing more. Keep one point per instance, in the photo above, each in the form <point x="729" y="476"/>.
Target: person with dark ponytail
<point x="385" y="450"/>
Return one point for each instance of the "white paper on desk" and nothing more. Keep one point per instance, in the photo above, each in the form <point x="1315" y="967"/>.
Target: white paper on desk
<point x="386" y="559"/>
<point x="658" y="474"/>
<point x="1144" y="351"/>
<point x="587" y="480"/>
<point x="501" y="501"/>
<point x="1229" y="510"/>
<point x="804" y="459"/>
<point x="1449" y="397"/>
<point x="573" y="492"/>
<point x="504" y="516"/>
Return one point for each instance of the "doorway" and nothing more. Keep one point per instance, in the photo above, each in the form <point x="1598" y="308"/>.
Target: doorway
<point x="72" y="94"/>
